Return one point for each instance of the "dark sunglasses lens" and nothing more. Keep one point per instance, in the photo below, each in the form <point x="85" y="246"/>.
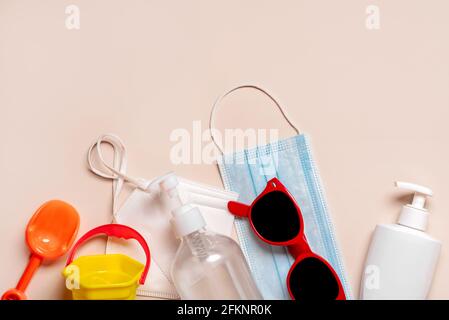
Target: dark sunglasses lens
<point x="275" y="217"/>
<point x="312" y="280"/>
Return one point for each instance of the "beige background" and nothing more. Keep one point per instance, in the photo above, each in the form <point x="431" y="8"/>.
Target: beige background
<point x="375" y="103"/>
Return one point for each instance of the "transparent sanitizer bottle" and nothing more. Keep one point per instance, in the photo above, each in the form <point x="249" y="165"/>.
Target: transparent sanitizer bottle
<point x="207" y="266"/>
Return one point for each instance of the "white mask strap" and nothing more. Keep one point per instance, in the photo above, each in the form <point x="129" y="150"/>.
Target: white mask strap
<point x="219" y="100"/>
<point x="116" y="172"/>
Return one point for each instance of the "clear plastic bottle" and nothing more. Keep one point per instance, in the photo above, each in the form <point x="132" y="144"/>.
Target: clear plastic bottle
<point x="207" y="265"/>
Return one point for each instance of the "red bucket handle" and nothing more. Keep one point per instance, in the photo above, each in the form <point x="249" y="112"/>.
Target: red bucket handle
<point x="119" y="231"/>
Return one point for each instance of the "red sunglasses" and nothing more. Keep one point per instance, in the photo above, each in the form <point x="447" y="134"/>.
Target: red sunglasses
<point x="276" y="219"/>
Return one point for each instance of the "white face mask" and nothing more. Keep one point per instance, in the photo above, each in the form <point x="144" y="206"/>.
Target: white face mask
<point x="148" y="211"/>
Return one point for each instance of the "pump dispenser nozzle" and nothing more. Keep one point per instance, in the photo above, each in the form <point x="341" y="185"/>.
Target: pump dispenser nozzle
<point x="186" y="218"/>
<point x="415" y="215"/>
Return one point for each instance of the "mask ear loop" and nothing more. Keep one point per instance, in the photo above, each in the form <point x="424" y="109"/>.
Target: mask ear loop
<point x="219" y="100"/>
<point x="116" y="172"/>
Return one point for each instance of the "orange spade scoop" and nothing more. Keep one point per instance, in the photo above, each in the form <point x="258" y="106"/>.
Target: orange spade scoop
<point x="49" y="235"/>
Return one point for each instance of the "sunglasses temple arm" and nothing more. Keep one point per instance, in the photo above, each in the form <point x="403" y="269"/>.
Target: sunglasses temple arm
<point x="238" y="209"/>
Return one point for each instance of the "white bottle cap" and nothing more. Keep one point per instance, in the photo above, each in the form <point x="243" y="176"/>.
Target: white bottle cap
<point x="186" y="218"/>
<point x="415" y="215"/>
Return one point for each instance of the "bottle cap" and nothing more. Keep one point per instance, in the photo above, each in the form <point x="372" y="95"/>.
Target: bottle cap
<point x="186" y="218"/>
<point x="415" y="215"/>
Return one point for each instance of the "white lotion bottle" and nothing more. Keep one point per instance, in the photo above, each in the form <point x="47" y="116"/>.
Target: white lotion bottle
<point x="402" y="257"/>
<point x="207" y="266"/>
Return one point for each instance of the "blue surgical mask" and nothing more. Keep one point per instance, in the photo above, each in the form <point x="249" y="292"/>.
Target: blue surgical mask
<point x="290" y="160"/>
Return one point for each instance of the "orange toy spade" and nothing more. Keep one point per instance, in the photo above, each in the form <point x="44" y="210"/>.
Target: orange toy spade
<point x="49" y="235"/>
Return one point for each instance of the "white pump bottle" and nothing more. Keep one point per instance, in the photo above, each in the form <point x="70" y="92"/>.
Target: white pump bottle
<point x="402" y="258"/>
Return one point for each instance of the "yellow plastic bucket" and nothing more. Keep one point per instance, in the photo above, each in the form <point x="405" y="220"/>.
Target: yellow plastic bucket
<point x="106" y="276"/>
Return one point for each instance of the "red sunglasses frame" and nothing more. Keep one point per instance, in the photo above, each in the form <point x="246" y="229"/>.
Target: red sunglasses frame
<point x="298" y="246"/>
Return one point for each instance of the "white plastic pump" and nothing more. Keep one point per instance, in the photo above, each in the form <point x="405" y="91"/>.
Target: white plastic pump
<point x="415" y="215"/>
<point x="186" y="218"/>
